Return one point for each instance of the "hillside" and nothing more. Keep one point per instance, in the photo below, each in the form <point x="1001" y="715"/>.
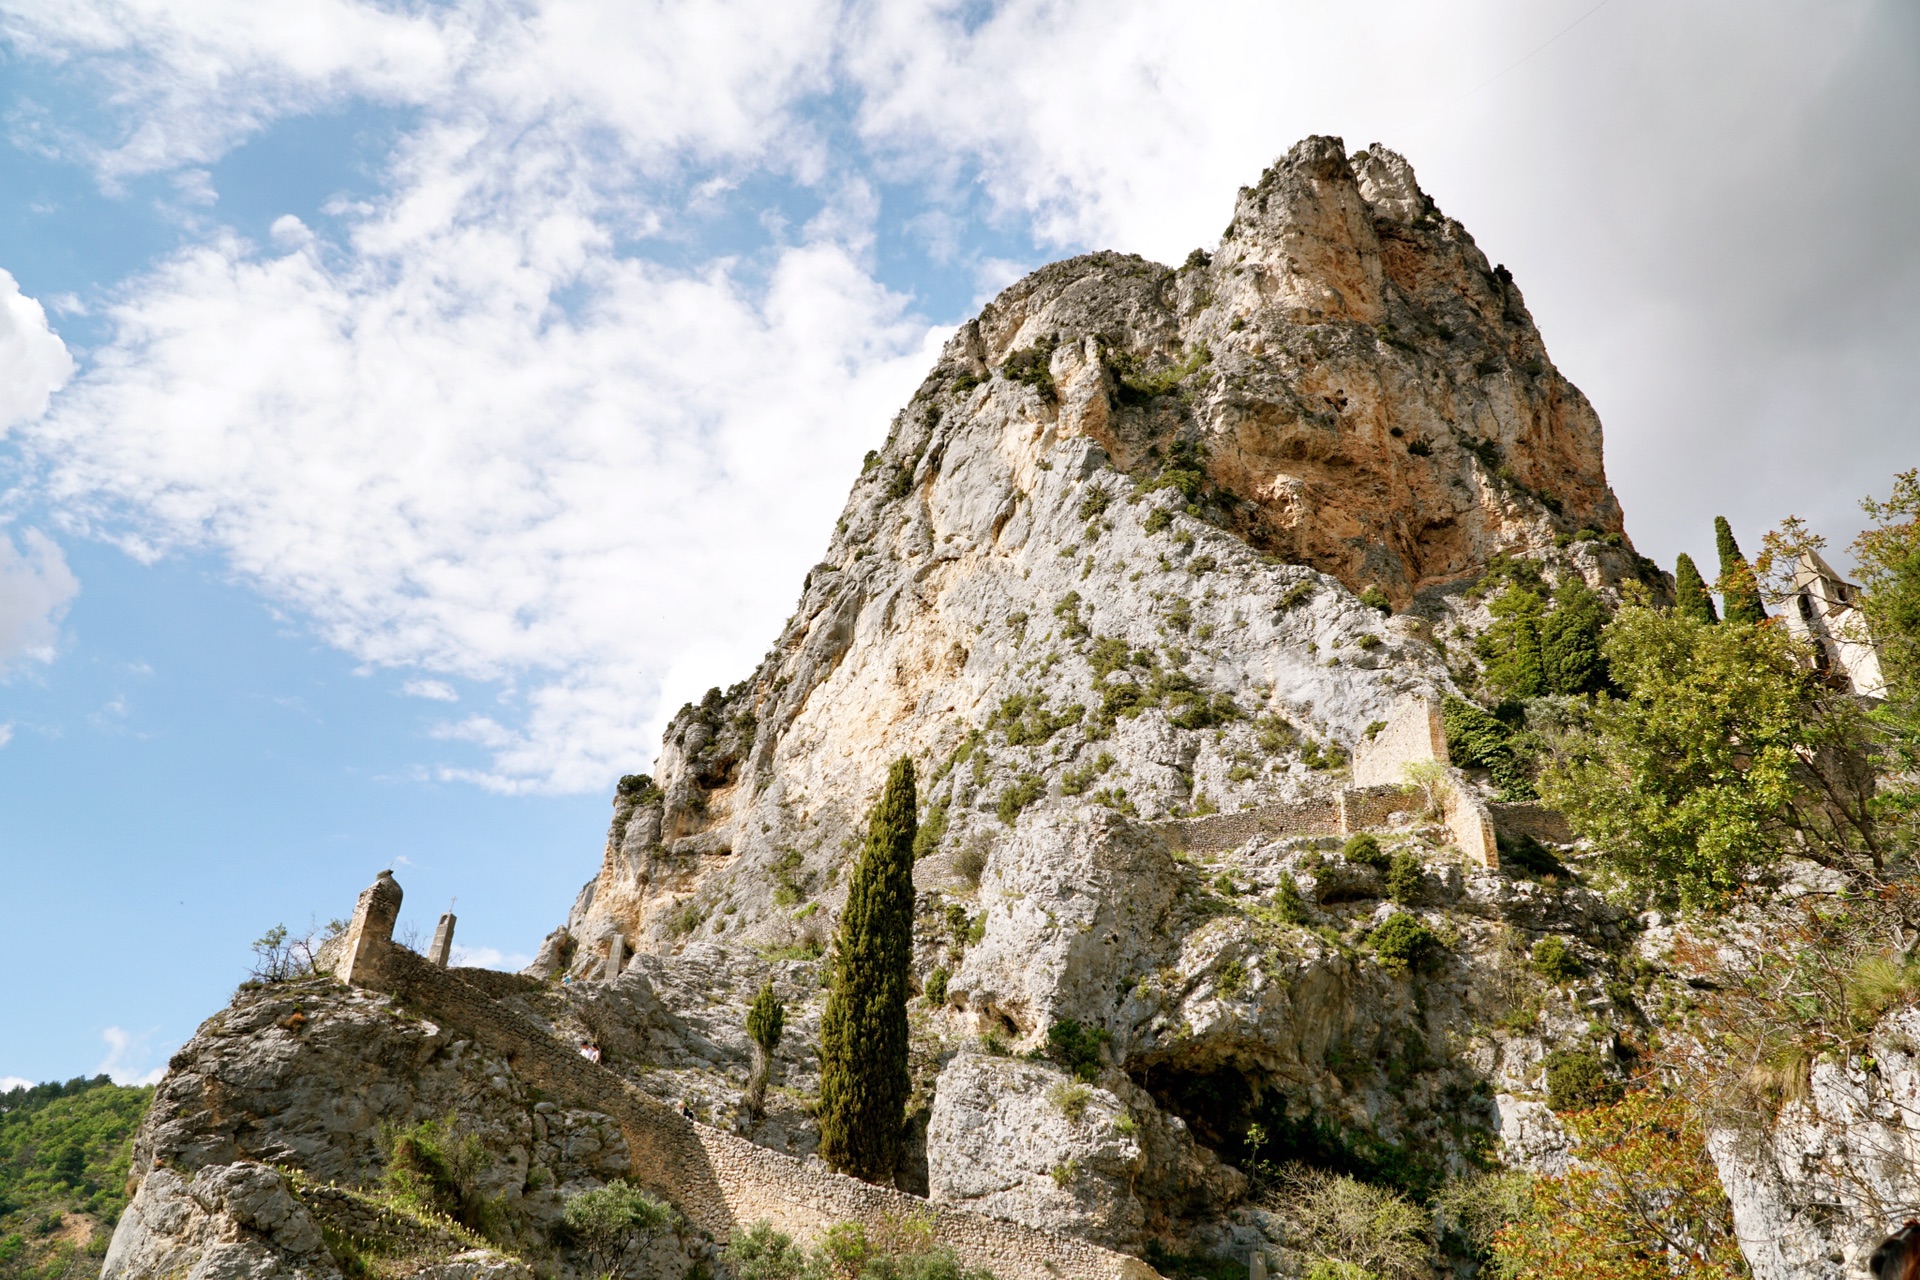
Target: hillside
<point x="64" y="1157"/>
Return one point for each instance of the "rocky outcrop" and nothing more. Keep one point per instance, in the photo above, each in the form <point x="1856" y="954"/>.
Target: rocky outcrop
<point x="1825" y="1181"/>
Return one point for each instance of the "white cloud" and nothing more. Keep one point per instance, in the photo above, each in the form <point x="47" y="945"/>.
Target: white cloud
<point x="433" y="690"/>
<point x="488" y="958"/>
<point x="10" y="1083"/>
<point x="128" y="1056"/>
<point x="33" y="361"/>
<point x="472" y="435"/>
<point x="35" y="589"/>
<point x="6" y="734"/>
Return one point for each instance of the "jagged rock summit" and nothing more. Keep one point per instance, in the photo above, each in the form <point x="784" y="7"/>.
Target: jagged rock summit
<point x="1123" y="530"/>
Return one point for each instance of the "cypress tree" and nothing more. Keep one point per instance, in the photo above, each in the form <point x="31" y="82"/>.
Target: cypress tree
<point x="864" y="1082"/>
<point x="1690" y="596"/>
<point x="1570" y="655"/>
<point x="1739" y="589"/>
<point x="766" y="1019"/>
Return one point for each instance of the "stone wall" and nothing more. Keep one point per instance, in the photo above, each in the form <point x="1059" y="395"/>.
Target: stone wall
<point x="1414" y="734"/>
<point x="719" y="1181"/>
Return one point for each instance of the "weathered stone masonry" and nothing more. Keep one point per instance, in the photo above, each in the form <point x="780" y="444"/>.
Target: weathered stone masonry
<point x="721" y="1182"/>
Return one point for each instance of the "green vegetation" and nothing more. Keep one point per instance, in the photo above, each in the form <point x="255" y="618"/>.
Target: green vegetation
<point x="1555" y="961"/>
<point x="1135" y="386"/>
<point x="1374" y="598"/>
<point x="864" y="1082"/>
<point x="1297" y="594"/>
<point x="934" y="991"/>
<point x="1476" y="740"/>
<point x="434" y="1168"/>
<point x="1406" y="878"/>
<point x="1577" y="1080"/>
<point x="1364" y="851"/>
<point x="1077" y="1048"/>
<point x="1095" y="503"/>
<point x="1072" y="626"/>
<point x="1019" y="793"/>
<point x="1070" y="1099"/>
<point x="1530" y="651"/>
<point x="898" y="1250"/>
<point x="1404" y="944"/>
<point x="64" y="1150"/>
<point x="766" y="1021"/>
<point x="1739" y="588"/>
<point x="1346" y="1229"/>
<point x="1075" y="781"/>
<point x="1289" y="904"/>
<point x="1690" y="596"/>
<point x="926" y="841"/>
<point x="614" y="1225"/>
<point x="1644" y="1175"/>
<point x="1027" y="722"/>
<point x="1030" y="365"/>
<point x="1724" y="755"/>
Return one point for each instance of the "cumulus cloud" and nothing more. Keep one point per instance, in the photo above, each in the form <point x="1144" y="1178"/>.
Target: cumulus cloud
<point x="8" y="1083"/>
<point x="488" y="958"/>
<point x="35" y="589"/>
<point x="432" y="690"/>
<point x="507" y="421"/>
<point x="129" y="1055"/>
<point x="33" y="361"/>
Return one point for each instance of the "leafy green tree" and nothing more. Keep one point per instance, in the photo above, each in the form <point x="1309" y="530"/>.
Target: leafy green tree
<point x="615" y="1223"/>
<point x="1691" y="599"/>
<point x="1739" y="588"/>
<point x="1476" y="740"/>
<point x="766" y="1020"/>
<point x="1725" y="754"/>
<point x="1570" y="657"/>
<point x="1511" y="646"/>
<point x="864" y="1082"/>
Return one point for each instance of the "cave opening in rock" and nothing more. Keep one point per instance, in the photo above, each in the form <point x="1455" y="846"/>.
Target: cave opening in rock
<point x="1257" y="1124"/>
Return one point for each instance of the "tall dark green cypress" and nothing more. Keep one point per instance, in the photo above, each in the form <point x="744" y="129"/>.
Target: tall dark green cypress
<point x="1739" y="589"/>
<point x="1690" y="596"/>
<point x="864" y="1082"/>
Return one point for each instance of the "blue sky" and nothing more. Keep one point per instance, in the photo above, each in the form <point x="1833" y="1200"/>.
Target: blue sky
<point x="407" y="405"/>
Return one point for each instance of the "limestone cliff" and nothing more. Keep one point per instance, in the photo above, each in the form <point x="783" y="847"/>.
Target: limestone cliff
<point x="1128" y="517"/>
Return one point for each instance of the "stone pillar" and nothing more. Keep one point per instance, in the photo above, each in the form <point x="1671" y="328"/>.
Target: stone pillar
<point x="370" y="935"/>
<point x="1469" y="822"/>
<point x="616" y="956"/>
<point x="442" y="941"/>
<point x="1414" y="733"/>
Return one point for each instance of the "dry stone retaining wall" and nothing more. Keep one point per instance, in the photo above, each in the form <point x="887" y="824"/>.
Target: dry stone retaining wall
<point x="719" y="1181"/>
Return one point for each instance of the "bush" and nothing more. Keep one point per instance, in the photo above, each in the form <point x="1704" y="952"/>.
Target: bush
<point x="1406" y="878"/>
<point x="1289" y="904"/>
<point x="1577" y="1080"/>
<point x="1019" y="794"/>
<point x="1031" y="366"/>
<point x="1077" y="1048"/>
<point x="1070" y="1099"/>
<point x="1555" y="961"/>
<point x="1475" y="740"/>
<point x="935" y="988"/>
<point x="1364" y="850"/>
<point x="436" y="1169"/>
<point x="1405" y="944"/>
<point x="1094" y="503"/>
<point x="1349" y="1229"/>
<point x="761" y="1253"/>
<point x="970" y="862"/>
<point x="1375" y="598"/>
<point x="612" y="1224"/>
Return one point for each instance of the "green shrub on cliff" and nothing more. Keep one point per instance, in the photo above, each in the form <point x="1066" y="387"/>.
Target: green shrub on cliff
<point x="864" y="1082"/>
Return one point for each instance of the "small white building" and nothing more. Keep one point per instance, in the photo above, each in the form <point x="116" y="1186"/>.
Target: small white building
<point x="1824" y="610"/>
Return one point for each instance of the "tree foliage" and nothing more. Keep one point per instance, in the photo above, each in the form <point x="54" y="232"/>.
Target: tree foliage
<point x="1535" y="648"/>
<point x="1691" y="599"/>
<point x="1724" y="754"/>
<point x="864" y="1081"/>
<point x="1739" y="588"/>
<point x="64" y="1148"/>
<point x="1642" y="1202"/>
<point x="614" y="1224"/>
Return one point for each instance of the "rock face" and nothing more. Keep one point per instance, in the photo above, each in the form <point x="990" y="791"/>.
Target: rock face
<point x="1148" y="549"/>
<point x="1108" y="569"/>
<point x="1837" y="1170"/>
<point x="286" y="1102"/>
